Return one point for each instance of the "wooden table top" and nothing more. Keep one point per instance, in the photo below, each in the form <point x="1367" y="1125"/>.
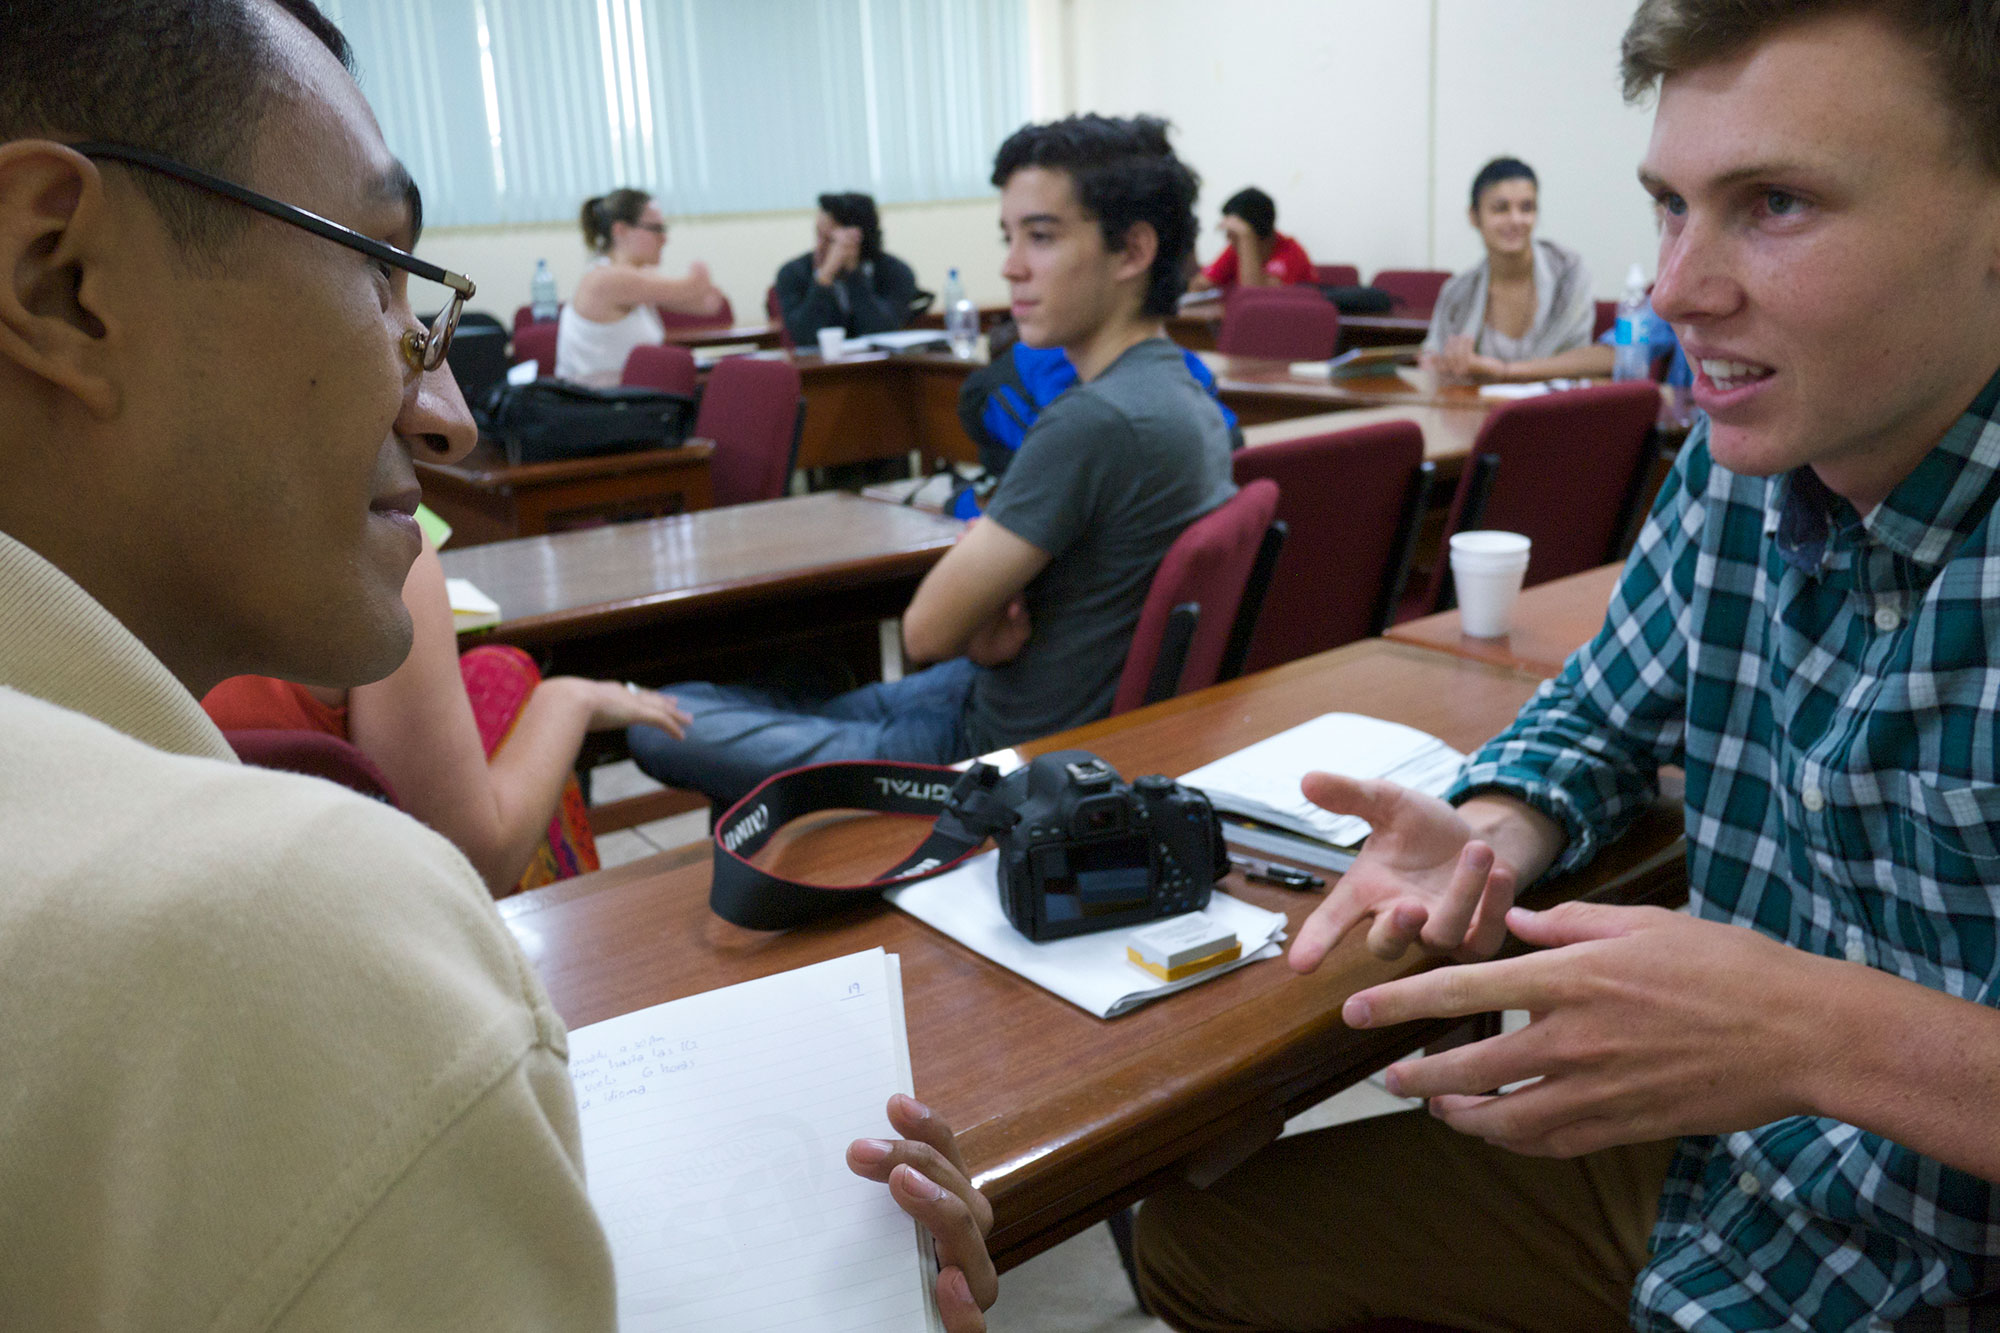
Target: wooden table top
<point x="1251" y="376"/>
<point x="486" y="466"/>
<point x="1551" y="620"/>
<point x="765" y="333"/>
<point x="1065" y="1117"/>
<point x="659" y="570"/>
<point x="1448" y="431"/>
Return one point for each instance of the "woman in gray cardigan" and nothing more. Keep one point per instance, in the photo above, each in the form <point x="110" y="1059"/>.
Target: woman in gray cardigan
<point x="1525" y="311"/>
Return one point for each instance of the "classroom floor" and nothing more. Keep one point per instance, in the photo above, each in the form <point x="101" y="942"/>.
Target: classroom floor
<point x="1078" y="1286"/>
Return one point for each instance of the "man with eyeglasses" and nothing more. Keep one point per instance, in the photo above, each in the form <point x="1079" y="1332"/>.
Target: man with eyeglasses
<point x="271" y="1060"/>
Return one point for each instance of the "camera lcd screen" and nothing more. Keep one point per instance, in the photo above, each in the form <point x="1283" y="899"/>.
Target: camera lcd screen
<point x="1109" y="876"/>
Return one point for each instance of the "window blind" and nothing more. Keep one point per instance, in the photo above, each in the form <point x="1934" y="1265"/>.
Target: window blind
<point x="515" y="111"/>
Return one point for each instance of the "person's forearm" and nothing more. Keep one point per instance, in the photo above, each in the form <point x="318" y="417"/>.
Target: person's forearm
<point x="1913" y="1065"/>
<point x="690" y="296"/>
<point x="809" y="310"/>
<point x="1523" y="839"/>
<point x="884" y="310"/>
<point x="525" y="777"/>
<point x="1576" y="363"/>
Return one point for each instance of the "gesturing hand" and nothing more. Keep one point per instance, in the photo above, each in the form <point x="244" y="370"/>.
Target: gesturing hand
<point x="1646" y="1025"/>
<point x="1421" y="876"/>
<point x="928" y="1180"/>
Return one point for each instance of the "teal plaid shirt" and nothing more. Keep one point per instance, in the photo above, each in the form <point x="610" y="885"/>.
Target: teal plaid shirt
<point x="1832" y="686"/>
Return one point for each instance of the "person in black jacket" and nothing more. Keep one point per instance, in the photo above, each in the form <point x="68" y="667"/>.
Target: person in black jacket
<point x="847" y="280"/>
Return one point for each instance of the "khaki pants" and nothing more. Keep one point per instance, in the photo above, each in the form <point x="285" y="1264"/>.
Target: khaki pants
<point x="1401" y="1217"/>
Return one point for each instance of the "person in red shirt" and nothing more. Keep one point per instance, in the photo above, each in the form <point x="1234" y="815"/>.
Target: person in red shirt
<point x="1259" y="255"/>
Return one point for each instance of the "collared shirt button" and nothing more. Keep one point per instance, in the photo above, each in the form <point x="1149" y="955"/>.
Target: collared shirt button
<point x="1887" y="618"/>
<point x="1748" y="1183"/>
<point x="1812" y="798"/>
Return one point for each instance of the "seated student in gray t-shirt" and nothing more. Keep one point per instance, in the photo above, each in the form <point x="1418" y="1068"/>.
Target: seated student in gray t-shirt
<point x="1029" y="617"/>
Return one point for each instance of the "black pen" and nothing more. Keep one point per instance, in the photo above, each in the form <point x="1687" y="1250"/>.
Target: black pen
<point x="1267" y="872"/>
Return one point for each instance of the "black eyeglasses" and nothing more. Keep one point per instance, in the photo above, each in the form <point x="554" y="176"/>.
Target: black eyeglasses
<point x="424" y="351"/>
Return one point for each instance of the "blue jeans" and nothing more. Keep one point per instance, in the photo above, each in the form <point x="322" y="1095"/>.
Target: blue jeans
<point x="742" y="734"/>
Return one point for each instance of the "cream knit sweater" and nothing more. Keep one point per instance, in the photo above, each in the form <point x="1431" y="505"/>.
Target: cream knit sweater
<point x="269" y="1059"/>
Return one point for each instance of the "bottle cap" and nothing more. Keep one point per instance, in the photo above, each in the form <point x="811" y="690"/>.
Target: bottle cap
<point x="1636" y="277"/>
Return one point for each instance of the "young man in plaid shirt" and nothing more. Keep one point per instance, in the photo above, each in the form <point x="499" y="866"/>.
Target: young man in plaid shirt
<point x="1777" y="1111"/>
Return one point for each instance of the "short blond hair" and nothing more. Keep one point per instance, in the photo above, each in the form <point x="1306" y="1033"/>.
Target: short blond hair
<point x="1960" y="39"/>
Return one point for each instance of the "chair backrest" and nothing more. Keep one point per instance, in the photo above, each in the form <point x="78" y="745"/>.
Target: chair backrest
<point x="775" y="309"/>
<point x="1336" y="275"/>
<point x="478" y="357"/>
<point x="525" y="315"/>
<point x="1207" y="568"/>
<point x="661" y="366"/>
<point x="674" y="319"/>
<point x="753" y="410"/>
<point x="1413" y="288"/>
<point x="1284" y="323"/>
<point x="1352" y="500"/>
<point x="315" y="754"/>
<point x="1565" y="468"/>
<point x="1606" y="316"/>
<point x="536" y="343"/>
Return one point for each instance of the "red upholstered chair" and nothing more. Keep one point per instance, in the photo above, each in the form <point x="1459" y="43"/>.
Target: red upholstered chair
<point x="1336" y="275"/>
<point x="661" y="366"/>
<point x="1564" y="468"/>
<point x="1190" y="615"/>
<point x="536" y="343"/>
<point x="674" y="319"/>
<point x="1280" y="323"/>
<point x="315" y="754"/>
<point x="1351" y="501"/>
<point x="753" y="411"/>
<point x="1415" y="289"/>
<point x="525" y="315"/>
<point x="1607" y="315"/>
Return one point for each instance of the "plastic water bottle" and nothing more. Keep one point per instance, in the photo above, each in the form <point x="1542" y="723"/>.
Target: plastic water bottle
<point x="961" y="319"/>
<point x="1633" y="350"/>
<point x="542" y="293"/>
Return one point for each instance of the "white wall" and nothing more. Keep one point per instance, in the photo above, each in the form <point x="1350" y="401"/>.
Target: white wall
<point x="1319" y="102"/>
<point x="1365" y="119"/>
<point x="1538" y="80"/>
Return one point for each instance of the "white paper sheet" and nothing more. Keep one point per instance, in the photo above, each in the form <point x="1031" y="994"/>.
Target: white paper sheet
<point x="1267" y="773"/>
<point x="1090" y="971"/>
<point x="715" y="1131"/>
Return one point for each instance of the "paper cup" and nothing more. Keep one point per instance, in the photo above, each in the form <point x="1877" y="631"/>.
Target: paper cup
<point x="831" y="342"/>
<point x="1487" y="569"/>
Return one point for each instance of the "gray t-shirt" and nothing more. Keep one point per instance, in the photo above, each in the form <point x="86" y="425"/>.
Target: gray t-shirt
<point x="1108" y="476"/>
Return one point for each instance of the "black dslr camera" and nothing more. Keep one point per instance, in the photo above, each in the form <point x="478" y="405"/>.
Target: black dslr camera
<point x="1088" y="851"/>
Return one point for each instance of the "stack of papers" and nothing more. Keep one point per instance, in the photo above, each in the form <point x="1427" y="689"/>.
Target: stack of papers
<point x="900" y="340"/>
<point x="715" y="1131"/>
<point x="1256" y="789"/>
<point x="1090" y="971"/>
<point x="470" y="608"/>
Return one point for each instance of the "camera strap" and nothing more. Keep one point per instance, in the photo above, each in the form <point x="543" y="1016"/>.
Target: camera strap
<point x="964" y="806"/>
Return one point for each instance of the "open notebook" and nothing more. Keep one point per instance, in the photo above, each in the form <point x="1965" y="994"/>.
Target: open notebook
<point x="715" y="1133"/>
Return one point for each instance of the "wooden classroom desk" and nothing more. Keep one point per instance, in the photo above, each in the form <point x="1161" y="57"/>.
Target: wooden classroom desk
<point x="667" y="599"/>
<point x="1448" y="431"/>
<point x="1259" y="391"/>
<point x="487" y="499"/>
<point x="1065" y="1118"/>
<point x="764" y="333"/>
<point x="1551" y="620"/>
<point x="1197" y="328"/>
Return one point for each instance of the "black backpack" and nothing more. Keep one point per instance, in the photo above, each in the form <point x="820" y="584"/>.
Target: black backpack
<point x="550" y="419"/>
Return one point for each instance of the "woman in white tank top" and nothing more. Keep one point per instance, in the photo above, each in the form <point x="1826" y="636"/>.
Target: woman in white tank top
<point x="612" y="310"/>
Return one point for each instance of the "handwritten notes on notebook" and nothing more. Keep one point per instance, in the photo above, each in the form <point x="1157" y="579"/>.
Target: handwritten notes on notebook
<point x="715" y="1133"/>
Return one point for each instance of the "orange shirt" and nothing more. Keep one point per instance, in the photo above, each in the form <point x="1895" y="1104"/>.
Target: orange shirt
<point x="259" y="703"/>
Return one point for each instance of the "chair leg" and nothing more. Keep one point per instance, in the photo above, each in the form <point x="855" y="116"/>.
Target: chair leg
<point x="1120" y="1223"/>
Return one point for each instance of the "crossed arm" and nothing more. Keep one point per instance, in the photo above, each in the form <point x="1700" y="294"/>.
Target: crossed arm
<point x="970" y="603"/>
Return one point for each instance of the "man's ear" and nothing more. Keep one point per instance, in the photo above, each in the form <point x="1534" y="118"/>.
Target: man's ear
<point x="1135" y="257"/>
<point x="53" y="226"/>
